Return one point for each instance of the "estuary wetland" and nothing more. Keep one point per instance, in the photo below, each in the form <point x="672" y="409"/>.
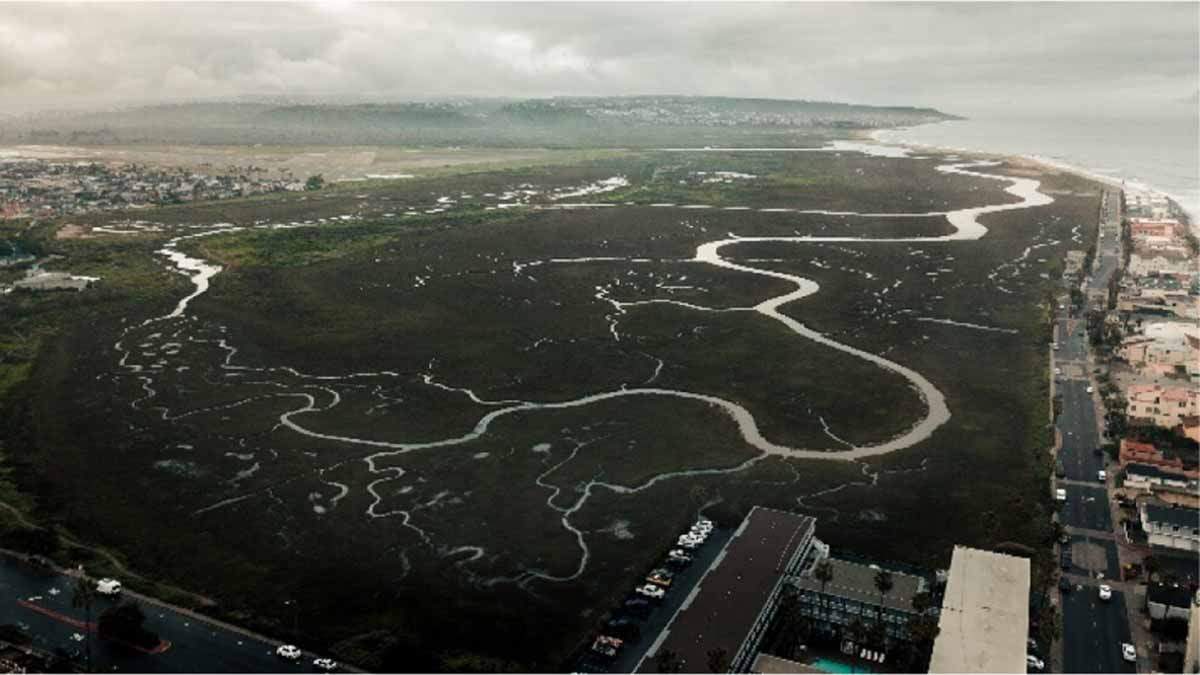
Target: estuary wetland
<point x="473" y="406"/>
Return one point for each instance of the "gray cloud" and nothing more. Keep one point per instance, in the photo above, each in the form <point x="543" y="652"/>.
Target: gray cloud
<point x="958" y="57"/>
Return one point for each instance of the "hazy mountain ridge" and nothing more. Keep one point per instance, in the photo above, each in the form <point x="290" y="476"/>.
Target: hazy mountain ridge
<point x="548" y="121"/>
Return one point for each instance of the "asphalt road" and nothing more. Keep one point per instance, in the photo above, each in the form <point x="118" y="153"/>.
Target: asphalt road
<point x="1093" y="630"/>
<point x="1087" y="507"/>
<point x="196" y="646"/>
<point x="1080" y="439"/>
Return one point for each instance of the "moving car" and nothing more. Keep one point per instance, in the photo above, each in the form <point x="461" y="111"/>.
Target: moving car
<point x="1105" y="592"/>
<point x="289" y="652"/>
<point x="651" y="591"/>
<point x="327" y="665"/>
<point x="1034" y="663"/>
<point x="1128" y="652"/>
<point x="108" y="587"/>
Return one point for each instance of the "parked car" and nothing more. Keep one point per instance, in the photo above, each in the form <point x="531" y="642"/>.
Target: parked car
<point x="624" y="627"/>
<point x="1060" y="494"/>
<point x="606" y="645"/>
<point x="677" y="556"/>
<point x="108" y="587"/>
<point x="1064" y="585"/>
<point x="704" y="524"/>
<point x="638" y="606"/>
<point x="689" y="542"/>
<point x="661" y="577"/>
<point x="1128" y="652"/>
<point x="1059" y="470"/>
<point x="1091" y="390"/>
<point x="1102" y="476"/>
<point x="1105" y="592"/>
<point x="1034" y="663"/>
<point x="289" y="652"/>
<point x="327" y="665"/>
<point x="651" y="591"/>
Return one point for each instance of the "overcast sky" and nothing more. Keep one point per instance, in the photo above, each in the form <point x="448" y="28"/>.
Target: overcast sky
<point x="963" y="58"/>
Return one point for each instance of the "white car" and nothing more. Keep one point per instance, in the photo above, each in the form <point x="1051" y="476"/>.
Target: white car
<point x="289" y="652"/>
<point x="689" y="540"/>
<point x="1060" y="494"/>
<point x="1105" y="592"/>
<point x="1091" y="390"/>
<point x="1034" y="663"/>
<point x="1102" y="476"/>
<point x="1058" y="371"/>
<point x="651" y="591"/>
<point x="326" y="665"/>
<point x="705" y="523"/>
<point x="1128" y="652"/>
<point x="108" y="587"/>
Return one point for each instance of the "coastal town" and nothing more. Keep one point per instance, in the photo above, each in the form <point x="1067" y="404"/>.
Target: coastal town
<point x="40" y="188"/>
<point x="1127" y="368"/>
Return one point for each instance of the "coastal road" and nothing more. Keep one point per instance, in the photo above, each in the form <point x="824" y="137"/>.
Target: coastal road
<point x="1093" y="630"/>
<point x="39" y="602"/>
<point x="1086" y="507"/>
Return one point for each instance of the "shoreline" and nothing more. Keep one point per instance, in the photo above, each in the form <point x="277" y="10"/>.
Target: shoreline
<point x="1189" y="214"/>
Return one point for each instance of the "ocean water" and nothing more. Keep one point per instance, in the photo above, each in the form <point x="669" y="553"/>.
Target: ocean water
<point x="1159" y="150"/>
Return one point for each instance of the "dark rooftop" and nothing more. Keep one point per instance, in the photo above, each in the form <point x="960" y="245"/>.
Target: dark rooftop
<point x="723" y="607"/>
<point x="1171" y="596"/>
<point x="1150" y="471"/>
<point x="1178" y="516"/>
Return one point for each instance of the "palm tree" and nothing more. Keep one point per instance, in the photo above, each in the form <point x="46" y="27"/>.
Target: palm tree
<point x="823" y="573"/>
<point x="83" y="597"/>
<point x="718" y="660"/>
<point x="667" y="661"/>
<point x="884" y="583"/>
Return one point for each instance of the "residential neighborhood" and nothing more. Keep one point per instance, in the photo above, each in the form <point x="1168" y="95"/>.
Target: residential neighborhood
<point x="1130" y="550"/>
<point x="39" y="188"/>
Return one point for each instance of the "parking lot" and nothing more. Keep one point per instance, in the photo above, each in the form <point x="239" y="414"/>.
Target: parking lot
<point x="660" y="612"/>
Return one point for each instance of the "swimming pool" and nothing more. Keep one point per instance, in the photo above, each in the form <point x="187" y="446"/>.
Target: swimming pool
<point x="835" y="666"/>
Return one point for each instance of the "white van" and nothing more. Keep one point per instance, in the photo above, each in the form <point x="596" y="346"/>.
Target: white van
<point x="1060" y="494"/>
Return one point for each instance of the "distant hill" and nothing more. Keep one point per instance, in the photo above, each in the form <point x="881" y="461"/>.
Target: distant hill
<point x="569" y="121"/>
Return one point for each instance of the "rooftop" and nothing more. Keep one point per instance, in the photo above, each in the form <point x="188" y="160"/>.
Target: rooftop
<point x="985" y="614"/>
<point x="1171" y="596"/>
<point x="1178" y="516"/>
<point x="856" y="581"/>
<point x="1150" y="471"/>
<point x="722" y="608"/>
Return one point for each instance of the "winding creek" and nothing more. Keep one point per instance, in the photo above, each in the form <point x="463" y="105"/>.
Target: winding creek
<point x="966" y="227"/>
